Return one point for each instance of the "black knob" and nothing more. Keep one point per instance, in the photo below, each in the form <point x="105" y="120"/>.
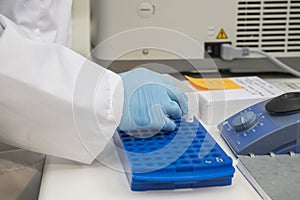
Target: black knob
<point x="287" y="103"/>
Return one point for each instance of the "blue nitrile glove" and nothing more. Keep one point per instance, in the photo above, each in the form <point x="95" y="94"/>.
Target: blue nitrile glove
<point x="151" y="101"/>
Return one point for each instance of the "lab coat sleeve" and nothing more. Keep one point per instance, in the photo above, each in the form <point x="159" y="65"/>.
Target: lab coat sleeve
<point x="53" y="100"/>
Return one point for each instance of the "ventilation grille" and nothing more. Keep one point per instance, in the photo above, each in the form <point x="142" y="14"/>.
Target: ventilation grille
<point x="272" y="25"/>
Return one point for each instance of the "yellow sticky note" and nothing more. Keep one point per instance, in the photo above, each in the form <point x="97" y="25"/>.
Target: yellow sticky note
<point x="213" y="83"/>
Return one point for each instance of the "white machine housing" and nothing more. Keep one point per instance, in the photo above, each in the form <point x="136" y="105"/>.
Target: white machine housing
<point x="271" y="25"/>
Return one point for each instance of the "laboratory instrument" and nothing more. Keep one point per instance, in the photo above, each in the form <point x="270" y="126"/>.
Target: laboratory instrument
<point x="271" y="26"/>
<point x="271" y="126"/>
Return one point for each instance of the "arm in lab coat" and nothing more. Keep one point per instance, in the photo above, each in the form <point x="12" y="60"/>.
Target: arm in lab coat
<point x="53" y="100"/>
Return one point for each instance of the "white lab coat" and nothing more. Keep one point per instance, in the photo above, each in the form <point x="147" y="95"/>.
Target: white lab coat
<point x="41" y="20"/>
<point x="52" y="100"/>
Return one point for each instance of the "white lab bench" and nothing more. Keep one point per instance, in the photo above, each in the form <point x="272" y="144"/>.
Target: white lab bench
<point x="67" y="180"/>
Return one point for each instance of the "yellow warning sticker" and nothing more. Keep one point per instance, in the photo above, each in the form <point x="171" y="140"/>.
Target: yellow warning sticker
<point x="222" y="34"/>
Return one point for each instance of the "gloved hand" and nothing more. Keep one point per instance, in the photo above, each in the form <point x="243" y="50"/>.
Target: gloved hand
<point x="151" y="101"/>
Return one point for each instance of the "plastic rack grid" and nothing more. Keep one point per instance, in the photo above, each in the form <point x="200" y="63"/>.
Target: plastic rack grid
<point x="187" y="157"/>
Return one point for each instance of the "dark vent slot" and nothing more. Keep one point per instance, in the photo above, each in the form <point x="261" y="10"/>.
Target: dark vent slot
<point x="248" y="19"/>
<point x="294" y="40"/>
<point x="251" y="46"/>
<point x="276" y="8"/>
<point x="248" y="30"/>
<point x="274" y="24"/>
<point x="249" y="14"/>
<point x="276" y="2"/>
<point x="295" y="7"/>
<point x="294" y="23"/>
<point x="247" y="40"/>
<point x="272" y="45"/>
<point x="274" y="29"/>
<point x="247" y="35"/>
<point x="274" y="18"/>
<point x="243" y="25"/>
<point x="295" y="2"/>
<point x="249" y="8"/>
<point x="273" y="40"/>
<point x="293" y="50"/>
<point x="294" y="13"/>
<point x="294" y="34"/>
<point x="273" y="35"/>
<point x="294" y="45"/>
<point x="294" y="18"/>
<point x="275" y="13"/>
<point x="294" y="29"/>
<point x="273" y="50"/>
<point x="250" y="3"/>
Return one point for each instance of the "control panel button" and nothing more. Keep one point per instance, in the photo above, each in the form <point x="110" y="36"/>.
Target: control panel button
<point x="244" y="121"/>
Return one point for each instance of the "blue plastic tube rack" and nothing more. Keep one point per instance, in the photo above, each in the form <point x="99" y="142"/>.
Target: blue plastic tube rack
<point x="187" y="157"/>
